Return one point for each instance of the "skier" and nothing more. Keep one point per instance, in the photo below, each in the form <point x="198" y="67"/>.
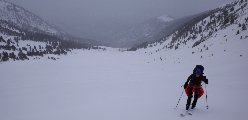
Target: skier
<point x="193" y="85"/>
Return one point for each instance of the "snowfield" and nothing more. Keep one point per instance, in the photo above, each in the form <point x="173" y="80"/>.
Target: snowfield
<point x="141" y="85"/>
<point x="112" y="85"/>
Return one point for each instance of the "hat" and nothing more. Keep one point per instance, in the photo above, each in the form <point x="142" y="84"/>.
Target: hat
<point x="199" y="72"/>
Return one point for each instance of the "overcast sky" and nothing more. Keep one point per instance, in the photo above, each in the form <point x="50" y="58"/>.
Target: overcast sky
<point x="96" y="18"/>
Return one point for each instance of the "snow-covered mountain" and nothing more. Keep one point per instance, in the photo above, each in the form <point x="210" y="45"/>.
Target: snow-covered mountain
<point x="220" y="31"/>
<point x="23" y="35"/>
<point x="140" y="33"/>
<point x="24" y="19"/>
<point x="205" y="26"/>
<point x="151" y="31"/>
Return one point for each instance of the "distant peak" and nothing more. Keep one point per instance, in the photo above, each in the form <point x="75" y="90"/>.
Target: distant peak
<point x="165" y="18"/>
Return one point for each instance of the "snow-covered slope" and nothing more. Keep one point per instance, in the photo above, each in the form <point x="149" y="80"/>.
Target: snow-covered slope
<point x="115" y="85"/>
<point x="165" y="18"/>
<point x="24" y="35"/>
<point x="19" y="44"/>
<point x="203" y="26"/>
<point x="200" y="39"/>
<point x="23" y="18"/>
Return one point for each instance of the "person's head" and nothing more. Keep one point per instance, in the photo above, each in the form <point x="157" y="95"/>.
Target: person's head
<point x="200" y="67"/>
<point x="198" y="72"/>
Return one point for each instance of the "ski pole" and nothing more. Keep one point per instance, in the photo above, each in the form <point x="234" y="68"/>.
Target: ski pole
<point x="179" y="98"/>
<point x="206" y="96"/>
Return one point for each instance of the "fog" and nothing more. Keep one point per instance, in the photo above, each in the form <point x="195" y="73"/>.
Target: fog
<point x="99" y="19"/>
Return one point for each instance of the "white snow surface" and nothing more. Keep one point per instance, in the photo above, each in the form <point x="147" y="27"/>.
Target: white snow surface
<point x="112" y="85"/>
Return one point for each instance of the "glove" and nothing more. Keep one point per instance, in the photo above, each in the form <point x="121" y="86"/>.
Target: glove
<point x="185" y="85"/>
<point x="206" y="81"/>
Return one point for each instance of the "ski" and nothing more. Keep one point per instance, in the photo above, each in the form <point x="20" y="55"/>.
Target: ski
<point x="184" y="113"/>
<point x="190" y="113"/>
<point x="187" y="112"/>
